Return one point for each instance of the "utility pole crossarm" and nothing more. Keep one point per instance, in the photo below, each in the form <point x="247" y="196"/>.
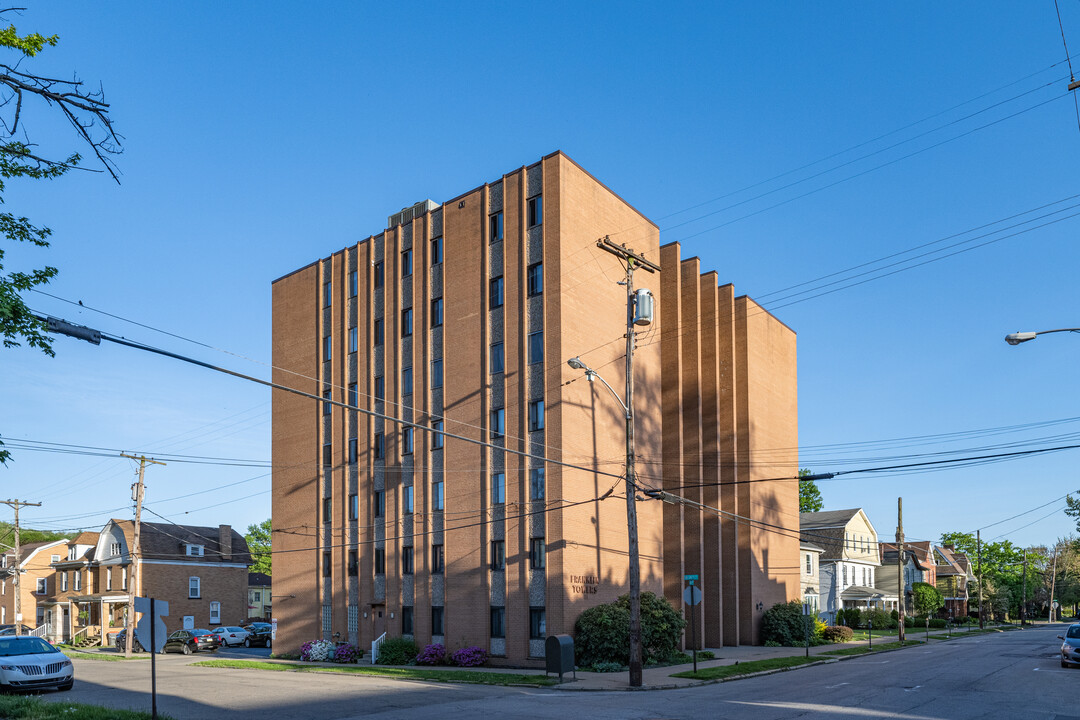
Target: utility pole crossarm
<point x="15" y="505"/>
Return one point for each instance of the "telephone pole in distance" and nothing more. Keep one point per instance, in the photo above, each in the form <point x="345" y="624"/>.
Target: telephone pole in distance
<point x="136" y="550"/>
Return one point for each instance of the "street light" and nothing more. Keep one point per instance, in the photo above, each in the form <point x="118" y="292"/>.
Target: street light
<point x="1022" y="337"/>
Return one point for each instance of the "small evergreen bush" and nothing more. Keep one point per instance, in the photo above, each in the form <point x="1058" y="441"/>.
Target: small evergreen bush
<point x="785" y="624"/>
<point x="397" y="651"/>
<point x="705" y="655"/>
<point x="837" y="634"/>
<point x="602" y="633"/>
<point x="881" y="619"/>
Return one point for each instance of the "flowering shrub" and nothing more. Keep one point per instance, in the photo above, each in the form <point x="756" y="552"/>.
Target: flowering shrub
<point x="316" y="650"/>
<point x="434" y="654"/>
<point x="347" y="653"/>
<point x="469" y="657"/>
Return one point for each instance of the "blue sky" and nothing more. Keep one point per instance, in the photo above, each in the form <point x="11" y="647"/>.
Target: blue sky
<point x="262" y="136"/>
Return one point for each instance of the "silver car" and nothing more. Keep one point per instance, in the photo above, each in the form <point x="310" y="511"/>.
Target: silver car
<point x="231" y="635"/>
<point x="1070" y="646"/>
<point x="30" y="663"/>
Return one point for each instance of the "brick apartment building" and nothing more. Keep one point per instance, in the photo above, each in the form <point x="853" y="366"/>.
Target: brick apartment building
<point x="458" y="318"/>
<point x="35" y="581"/>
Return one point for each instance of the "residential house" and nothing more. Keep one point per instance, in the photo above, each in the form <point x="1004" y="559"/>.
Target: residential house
<point x="919" y="566"/>
<point x="810" y="566"/>
<point x="953" y="575"/>
<point x="849" y="561"/>
<point x="35" y="578"/>
<point x="258" y="596"/>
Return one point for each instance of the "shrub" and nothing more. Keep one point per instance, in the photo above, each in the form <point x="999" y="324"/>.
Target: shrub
<point x="347" y="653"/>
<point x="785" y="624"/>
<point x="895" y="614"/>
<point x="938" y="623"/>
<point x="471" y="656"/>
<point x="852" y="617"/>
<point x="605" y="667"/>
<point x="316" y="650"/>
<point x="397" y="651"/>
<point x="881" y="619"/>
<point x="601" y="633"/>
<point x="772" y="643"/>
<point x="837" y="634"/>
<point x="433" y="654"/>
<point x="705" y="655"/>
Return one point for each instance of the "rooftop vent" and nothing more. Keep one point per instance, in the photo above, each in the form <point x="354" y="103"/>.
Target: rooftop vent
<point x="411" y="213"/>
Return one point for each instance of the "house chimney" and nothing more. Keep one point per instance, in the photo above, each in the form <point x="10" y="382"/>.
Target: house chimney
<point x="225" y="542"/>
<point x="950" y="546"/>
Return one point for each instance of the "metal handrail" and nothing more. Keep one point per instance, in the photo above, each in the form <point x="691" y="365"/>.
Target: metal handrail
<point x="375" y="645"/>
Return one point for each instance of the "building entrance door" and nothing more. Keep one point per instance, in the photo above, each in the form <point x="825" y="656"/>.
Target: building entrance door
<point x="378" y="618"/>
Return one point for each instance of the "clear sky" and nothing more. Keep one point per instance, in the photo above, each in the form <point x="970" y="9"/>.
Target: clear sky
<point x="779" y="142"/>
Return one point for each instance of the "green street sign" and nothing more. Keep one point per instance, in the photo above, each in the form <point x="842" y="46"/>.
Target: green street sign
<point x="690" y="577"/>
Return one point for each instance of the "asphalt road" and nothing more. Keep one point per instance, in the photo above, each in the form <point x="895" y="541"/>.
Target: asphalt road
<point x="1006" y="675"/>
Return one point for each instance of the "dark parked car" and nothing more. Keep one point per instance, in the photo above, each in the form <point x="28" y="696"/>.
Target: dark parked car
<point x="255" y="624"/>
<point x="121" y="638"/>
<point x="9" y="629"/>
<point x="258" y="636"/>
<point x="189" y="641"/>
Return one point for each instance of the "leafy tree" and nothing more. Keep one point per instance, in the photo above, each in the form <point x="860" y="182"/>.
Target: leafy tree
<point x="809" y="494"/>
<point x="927" y="598"/>
<point x="258" y="540"/>
<point x="602" y="633"/>
<point x="22" y="92"/>
<point x="28" y="535"/>
<point x="1072" y="509"/>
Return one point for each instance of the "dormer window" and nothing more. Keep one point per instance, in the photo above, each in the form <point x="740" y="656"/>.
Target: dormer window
<point x="194" y="550"/>
<point x="72" y="552"/>
<point x="54" y="558"/>
<point x="114" y="549"/>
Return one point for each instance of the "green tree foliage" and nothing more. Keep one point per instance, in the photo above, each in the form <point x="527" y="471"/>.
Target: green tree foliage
<point x="927" y="598"/>
<point x="258" y="540"/>
<point x="785" y="623"/>
<point x="27" y="535"/>
<point x="1072" y="509"/>
<point x="809" y="494"/>
<point x="602" y="633"/>
<point x="21" y="94"/>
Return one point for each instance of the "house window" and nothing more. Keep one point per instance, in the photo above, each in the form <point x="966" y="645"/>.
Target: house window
<point x="407" y="620"/>
<point x="328" y="293"/>
<point x="498" y="622"/>
<point x="327" y="506"/>
<point x="498" y="555"/>
<point x="495" y="227"/>
<point x="809" y="569"/>
<point x="354" y="506"/>
<point x="437" y="621"/>
<point x="108" y="578"/>
<point x="845" y="575"/>
<point x="379" y="446"/>
<point x="407" y="499"/>
<point x="215" y="613"/>
<point x="537" y="554"/>
<point x="536" y="415"/>
<point x="534" y="279"/>
<point x="353" y="283"/>
<point x="535" y="210"/>
<point x="406" y="561"/>
<point x="123" y="578"/>
<point x="380" y="503"/>
<point x="537" y="623"/>
<point x="496" y="358"/>
<point x="63" y="582"/>
<point x="354" y="395"/>
<point x="495" y="292"/>
<point x="72" y="552"/>
<point x="353" y="342"/>
<point x="406" y="263"/>
<point x="194" y="587"/>
<point x="536" y="484"/>
<point x="436" y="312"/>
<point x="54" y="558"/>
<point x="406" y="322"/>
<point x="327" y="395"/>
<point x="498" y="488"/>
<point x="380" y="388"/>
<point x="438" y="559"/>
<point x="327" y="347"/>
<point x="354" y="563"/>
<point x="380" y="561"/>
<point x="437" y="502"/>
<point x="406" y="381"/>
<point x="42" y="586"/>
<point x="498" y="423"/>
<point x="377" y="332"/>
<point x="436" y="373"/>
<point x="114" y="549"/>
<point x="407" y="441"/>
<point x="436" y="250"/>
<point x="378" y="274"/>
<point x="437" y="437"/>
<point x="327" y="455"/>
<point x="536" y="347"/>
<point x="78" y="579"/>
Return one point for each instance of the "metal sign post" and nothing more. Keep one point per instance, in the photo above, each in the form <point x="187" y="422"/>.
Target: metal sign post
<point x="692" y="597"/>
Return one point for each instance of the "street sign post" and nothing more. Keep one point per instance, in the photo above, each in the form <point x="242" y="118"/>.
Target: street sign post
<point x="692" y="597"/>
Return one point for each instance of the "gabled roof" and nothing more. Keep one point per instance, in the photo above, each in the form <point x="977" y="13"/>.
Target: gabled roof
<point x="166" y="541"/>
<point x="258" y="579"/>
<point x="826" y="518"/>
<point x="27" y="550"/>
<point x="827" y="529"/>
<point x="86" y="537"/>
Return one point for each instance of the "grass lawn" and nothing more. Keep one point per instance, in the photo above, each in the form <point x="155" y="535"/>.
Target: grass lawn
<point x="724" y="671"/>
<point x="409" y="673"/>
<point x="23" y="707"/>
<point x="107" y="657"/>
<point x="877" y="646"/>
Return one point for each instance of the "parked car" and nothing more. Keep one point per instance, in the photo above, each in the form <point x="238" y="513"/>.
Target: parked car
<point x="231" y="635"/>
<point x="121" y="639"/>
<point x="249" y="624"/>
<point x="189" y="641"/>
<point x="9" y="629"/>
<point x="1070" y="646"/>
<point x="259" y="636"/>
<point x="35" y="665"/>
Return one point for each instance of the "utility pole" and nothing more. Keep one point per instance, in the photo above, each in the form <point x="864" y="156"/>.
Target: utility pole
<point x="900" y="584"/>
<point x="1023" y="602"/>
<point x="632" y="261"/>
<point x="15" y="504"/>
<point x="136" y="549"/>
<point x="1053" y="580"/>
<point x="978" y="545"/>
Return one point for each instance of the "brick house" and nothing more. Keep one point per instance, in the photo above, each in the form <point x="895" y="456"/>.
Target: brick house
<point x="36" y="579"/>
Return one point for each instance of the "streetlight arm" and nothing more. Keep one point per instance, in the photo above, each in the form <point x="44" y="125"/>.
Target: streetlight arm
<point x="1021" y="337"/>
<point x="593" y="374"/>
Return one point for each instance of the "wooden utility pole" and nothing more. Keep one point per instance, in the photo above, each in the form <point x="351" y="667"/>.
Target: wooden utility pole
<point x="978" y="545"/>
<point x="900" y="585"/>
<point x="133" y="586"/>
<point x="1053" y="580"/>
<point x="1023" y="602"/>
<point x="15" y="504"/>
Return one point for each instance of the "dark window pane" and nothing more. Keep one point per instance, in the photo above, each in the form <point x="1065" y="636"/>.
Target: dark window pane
<point x="535" y="210"/>
<point x="537" y="623"/>
<point x="377" y="332"/>
<point x="407" y="620"/>
<point x="436" y="312"/>
<point x="406" y="263"/>
<point x="327" y="560"/>
<point x="353" y="284"/>
<point x="354" y="399"/>
<point x="498" y="423"/>
<point x="406" y="381"/>
<point x="438" y="561"/>
<point x="379" y="446"/>
<point x="406" y="322"/>
<point x="380" y="388"/>
<point x="536" y="415"/>
<point x="354" y="563"/>
<point x="537" y="553"/>
<point x="380" y="503"/>
<point x="407" y="441"/>
<point x="495" y="292"/>
<point x="436" y="373"/>
<point x="378" y="274"/>
<point x="498" y="622"/>
<point x="495" y="227"/>
<point x="497" y="358"/>
<point x="380" y="561"/>
<point x="536" y="483"/>
<point x="436" y="251"/>
<point x="437" y="436"/>
<point x="536" y="347"/>
<point x="437" y="621"/>
<point x="406" y="561"/>
<point x="534" y="279"/>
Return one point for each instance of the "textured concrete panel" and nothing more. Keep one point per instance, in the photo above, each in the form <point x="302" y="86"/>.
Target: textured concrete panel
<point x="498" y="647"/>
<point x="495" y="197"/>
<point x="498" y="588"/>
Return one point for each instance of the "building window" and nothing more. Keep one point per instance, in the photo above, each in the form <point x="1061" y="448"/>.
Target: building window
<point x="436" y="312"/>
<point x="114" y="549"/>
<point x="377" y="332"/>
<point x="809" y="569"/>
<point x="380" y="388"/>
<point x="498" y="622"/>
<point x="406" y="561"/>
<point x="407" y="441"/>
<point x="215" y="613"/>
<point x="498" y="555"/>
<point x="436" y="250"/>
<point x="353" y="335"/>
<point x="536" y="415"/>
<point x="108" y="579"/>
<point x="379" y="446"/>
<point x="354" y="396"/>
<point x="327" y="507"/>
<point x="407" y="620"/>
<point x="437" y="621"/>
<point x="406" y="381"/>
<point x="327" y="455"/>
<point x="535" y="210"/>
<point x="496" y="358"/>
<point x="536" y="484"/>
<point x="327" y="347"/>
<point x="327" y="396"/>
<point x="380" y="561"/>
<point x="42" y="586"/>
<point x="353" y="283"/>
<point x="327" y="564"/>
<point x="534" y="279"/>
<point x="354" y="507"/>
<point x="495" y="227"/>
<point x="437" y="436"/>
<point x="194" y="587"/>
<point x="123" y="578"/>
<point x="498" y="488"/>
<point x="406" y="322"/>
<point x="498" y="423"/>
<point x="536" y="347"/>
<point x="380" y="503"/>
<point x="537" y="553"/>
<point x="354" y="563"/>
<point x="437" y="502"/>
<point x="845" y="575"/>
<point x="438" y="559"/>
<point x="328" y="293"/>
<point x="495" y="292"/>
<point x="78" y="579"/>
<point x="406" y="263"/>
<point x="378" y="274"/>
<point x="407" y="499"/>
<point x="63" y="582"/>
<point x="436" y="373"/>
<point x="537" y="623"/>
<point x="71" y="552"/>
